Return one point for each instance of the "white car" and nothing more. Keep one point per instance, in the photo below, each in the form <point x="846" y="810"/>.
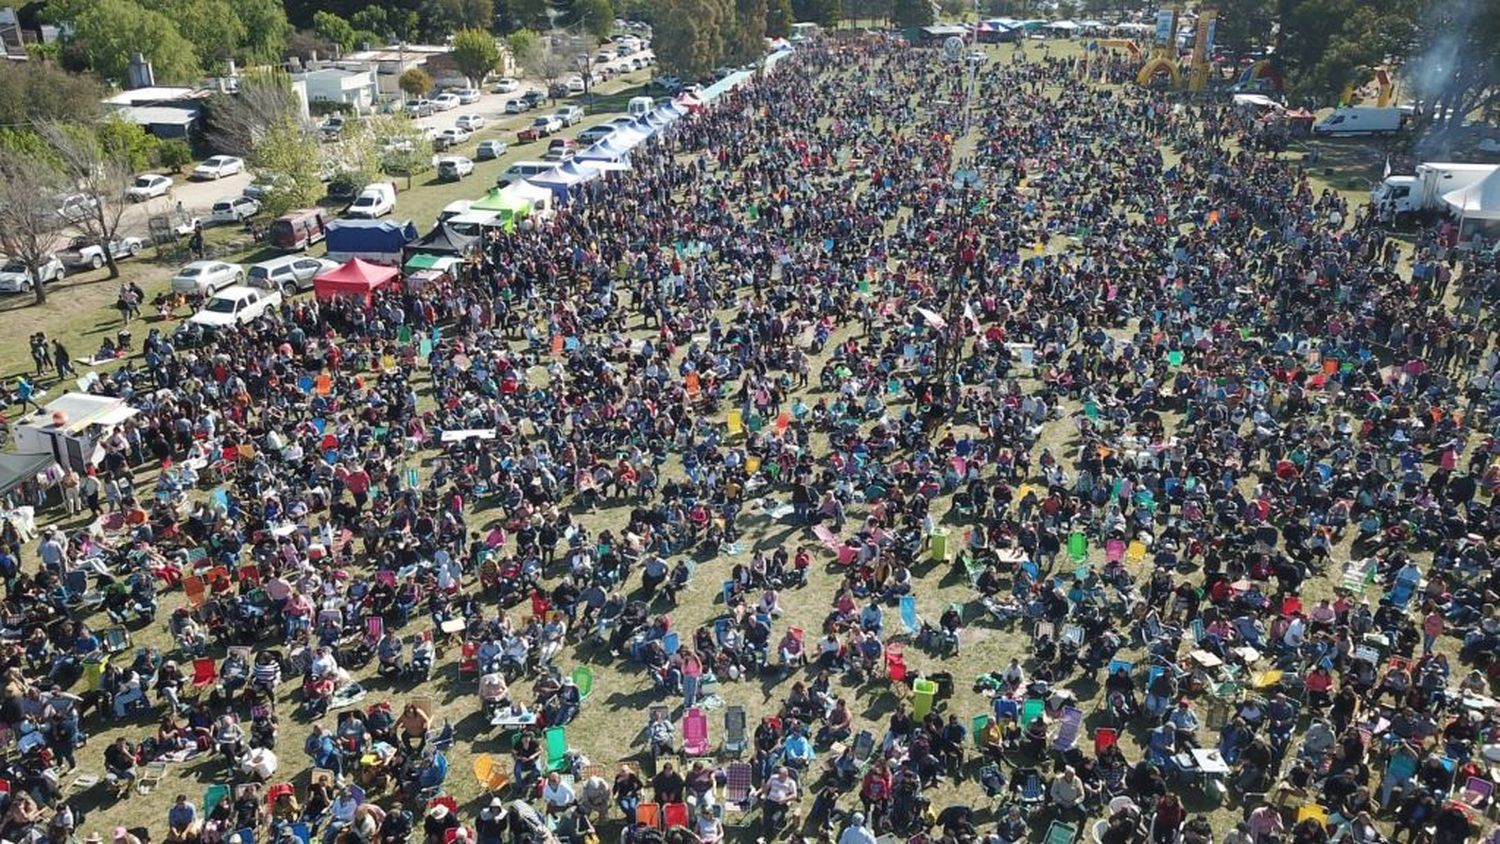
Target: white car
<point x="218" y="167"/>
<point x="76" y="207"/>
<point x="235" y="209"/>
<point x="265" y="182"/>
<point x="446" y="102"/>
<point x="452" y="168"/>
<point x="450" y="136"/>
<point x="490" y="149"/>
<point x="570" y="115"/>
<point x="16" y="278"/>
<point x="471" y="122"/>
<point x="467" y="96"/>
<point x="236" y="306"/>
<point x="575" y="84"/>
<point x="204" y="277"/>
<point x="506" y="85"/>
<point x="147" y="187"/>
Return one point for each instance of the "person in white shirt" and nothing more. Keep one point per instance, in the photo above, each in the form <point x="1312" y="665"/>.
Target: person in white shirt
<point x="557" y="794"/>
<point x="779" y="792"/>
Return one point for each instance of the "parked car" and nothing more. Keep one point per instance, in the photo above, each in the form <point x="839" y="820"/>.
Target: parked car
<point x="570" y="115"/>
<point x="446" y="102"/>
<point x="522" y="170"/>
<point x="376" y="200"/>
<point x="541" y="127"/>
<point x="236" y="209"/>
<point x="218" y="166"/>
<point x="490" y="149"/>
<point x="87" y="253"/>
<point x="289" y="273"/>
<point x="147" y="187"/>
<point x="472" y="122"/>
<point x="76" y="207"/>
<point x="575" y="84"/>
<point x="468" y="96"/>
<point x="452" y="168"/>
<point x="450" y="136"/>
<point x="670" y="84"/>
<point x="595" y="134"/>
<point x="204" y="277"/>
<point x="505" y="85"/>
<point x="534" y="97"/>
<point x="15" y="277"/>
<point x="420" y="108"/>
<point x="265" y="182"/>
<point x="560" y="150"/>
<point x="298" y="229"/>
<point x="332" y="127"/>
<point x="519" y="105"/>
<point x="236" y="305"/>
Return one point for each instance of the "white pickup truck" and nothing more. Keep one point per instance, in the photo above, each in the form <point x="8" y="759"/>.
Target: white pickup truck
<point x="86" y="253"/>
<point x="236" y="305"/>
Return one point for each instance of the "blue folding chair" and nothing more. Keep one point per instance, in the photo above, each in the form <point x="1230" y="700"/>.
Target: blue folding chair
<point x="671" y="642"/>
<point x="1118" y="665"/>
<point x="302" y="833"/>
<point x="1006" y="708"/>
<point x="909" y="618"/>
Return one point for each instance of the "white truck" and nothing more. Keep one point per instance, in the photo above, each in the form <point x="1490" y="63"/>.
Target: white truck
<point x="236" y="305"/>
<point x="1401" y="198"/>
<point x="1362" y="120"/>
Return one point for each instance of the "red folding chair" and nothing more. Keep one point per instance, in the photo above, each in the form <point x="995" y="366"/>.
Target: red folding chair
<point x="1104" y="739"/>
<point x="205" y="672"/>
<point x="675" y="815"/>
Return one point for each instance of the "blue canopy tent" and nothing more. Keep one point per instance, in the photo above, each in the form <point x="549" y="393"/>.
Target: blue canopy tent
<point x="561" y="180"/>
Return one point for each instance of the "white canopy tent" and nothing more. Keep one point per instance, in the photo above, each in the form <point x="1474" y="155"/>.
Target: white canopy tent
<point x="1479" y="201"/>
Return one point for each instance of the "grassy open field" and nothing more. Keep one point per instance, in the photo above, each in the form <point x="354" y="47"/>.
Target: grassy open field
<point x="608" y="731"/>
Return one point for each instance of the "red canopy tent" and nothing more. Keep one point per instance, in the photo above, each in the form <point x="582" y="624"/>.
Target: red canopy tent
<point x="356" y="278"/>
<point x="689" y="102"/>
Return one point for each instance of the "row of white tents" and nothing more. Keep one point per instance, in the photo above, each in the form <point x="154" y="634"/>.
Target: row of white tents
<point x="1478" y="202"/>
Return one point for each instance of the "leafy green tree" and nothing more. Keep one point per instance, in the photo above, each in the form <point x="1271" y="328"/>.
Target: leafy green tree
<point x="909" y="13"/>
<point x="174" y="154"/>
<point x="471" y="14"/>
<point x="1329" y="44"/>
<point x="211" y="25"/>
<point x="265" y="30"/>
<point x="1245" y="25"/>
<point x="514" y="15"/>
<point x="524" y="46"/>
<point x="475" y="53"/>
<point x="128" y="142"/>
<point x="822" y="12"/>
<point x="779" y="18"/>
<point x="402" y="147"/>
<point x="335" y="29"/>
<point x="747" y="38"/>
<point x="597" y="17"/>
<point x="372" y="19"/>
<point x="415" y="82"/>
<point x="111" y="31"/>
<point x="289" y="148"/>
<point x="689" y="36"/>
<point x="31" y="91"/>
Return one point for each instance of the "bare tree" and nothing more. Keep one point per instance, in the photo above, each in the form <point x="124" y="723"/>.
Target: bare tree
<point x="99" y="172"/>
<point x="237" y="122"/>
<point x="557" y="57"/>
<point x="29" y="230"/>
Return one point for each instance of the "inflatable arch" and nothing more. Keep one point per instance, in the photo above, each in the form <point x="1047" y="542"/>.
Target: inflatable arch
<point x="1157" y="67"/>
<point x="1262" y="69"/>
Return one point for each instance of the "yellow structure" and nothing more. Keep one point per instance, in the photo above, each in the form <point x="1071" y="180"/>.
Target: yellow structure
<point x="1203" y="44"/>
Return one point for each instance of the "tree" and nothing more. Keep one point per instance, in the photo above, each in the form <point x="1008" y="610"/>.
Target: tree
<point x="513" y="15"/>
<point x="556" y="57"/>
<point x="289" y="148"/>
<point x="174" y="154"/>
<point x="1456" y="69"/>
<point x="596" y="17"/>
<point x="1245" y="25"/>
<point x="524" y="46"/>
<point x="747" y="38"/>
<point x="910" y="13"/>
<point x="475" y="53"/>
<point x="265" y="29"/>
<point x="100" y="165"/>
<point x="32" y="91"/>
<point x="28" y="229"/>
<point x="138" y="147"/>
<point x="1326" y="45"/>
<point x="689" y="36"/>
<point x="211" y="26"/>
<point x="822" y="12"/>
<point x="334" y="29"/>
<point x="471" y="14"/>
<point x="235" y="123"/>
<point x="779" y="18"/>
<point x="403" y="148"/>
<point x="111" y="31"/>
<point x="415" y="82"/>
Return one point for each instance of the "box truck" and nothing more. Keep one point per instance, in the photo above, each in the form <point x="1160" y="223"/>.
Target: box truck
<point x="1401" y="198"/>
<point x="1362" y="120"/>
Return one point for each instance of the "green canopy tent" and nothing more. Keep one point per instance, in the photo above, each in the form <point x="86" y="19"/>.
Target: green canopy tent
<point x="509" y="207"/>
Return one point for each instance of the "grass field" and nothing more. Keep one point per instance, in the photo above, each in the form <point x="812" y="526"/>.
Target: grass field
<point x="608" y="731"/>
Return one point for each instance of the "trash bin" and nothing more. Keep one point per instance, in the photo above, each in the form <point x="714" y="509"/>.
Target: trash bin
<point x="939" y="545"/>
<point x="923" y="690"/>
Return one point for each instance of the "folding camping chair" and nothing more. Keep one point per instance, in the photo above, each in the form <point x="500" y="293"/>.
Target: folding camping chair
<point x="1061" y="833"/>
<point x="1031" y="710"/>
<point x="909" y="618"/>
<point x="695" y="734"/>
<point x="734" y="731"/>
<point x="557" y="748"/>
<point x="492" y="776"/>
<point x="205" y="673"/>
<point x="648" y="815"/>
<point x="674" y="815"/>
<point x="738" y="789"/>
<point x="1068" y="727"/>
<point x="150" y="777"/>
<point x="583" y="680"/>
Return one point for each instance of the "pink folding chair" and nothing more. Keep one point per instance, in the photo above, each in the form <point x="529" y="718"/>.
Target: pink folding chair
<point x="1114" y="550"/>
<point x="695" y="733"/>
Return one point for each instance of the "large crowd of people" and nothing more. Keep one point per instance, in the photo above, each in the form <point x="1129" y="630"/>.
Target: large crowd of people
<point x="1213" y="450"/>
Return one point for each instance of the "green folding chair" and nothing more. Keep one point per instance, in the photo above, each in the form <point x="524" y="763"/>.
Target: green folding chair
<point x="212" y="797"/>
<point x="557" y="748"/>
<point x="1032" y="710"/>
<point x="977" y="727"/>
<point x="583" y="679"/>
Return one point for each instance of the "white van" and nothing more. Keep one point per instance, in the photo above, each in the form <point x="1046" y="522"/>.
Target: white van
<point x="1362" y="120"/>
<point x="523" y="170"/>
<point x="376" y="200"/>
<point x="639" y="106"/>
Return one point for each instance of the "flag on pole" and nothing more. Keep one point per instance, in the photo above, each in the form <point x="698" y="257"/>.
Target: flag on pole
<point x="1387" y="173"/>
